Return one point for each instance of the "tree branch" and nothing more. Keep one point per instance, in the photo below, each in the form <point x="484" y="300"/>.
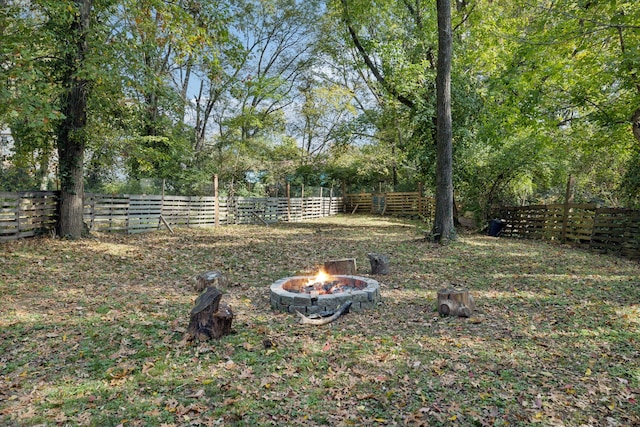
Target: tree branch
<point x="365" y="56"/>
<point x="465" y="18"/>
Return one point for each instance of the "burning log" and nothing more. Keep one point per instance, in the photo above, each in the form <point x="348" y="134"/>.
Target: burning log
<point x="327" y="288"/>
<point x="209" y="317"/>
<point x="344" y="308"/>
<point x="455" y="302"/>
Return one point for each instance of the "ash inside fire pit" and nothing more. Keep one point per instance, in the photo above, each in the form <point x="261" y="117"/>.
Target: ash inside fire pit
<point x="311" y="295"/>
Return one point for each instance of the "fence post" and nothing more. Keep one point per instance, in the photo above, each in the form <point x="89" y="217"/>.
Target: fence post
<point x="18" y="209"/>
<point x="344" y="196"/>
<point x="302" y="209"/>
<point x="288" y="202"/>
<point x="331" y="200"/>
<point x="216" y="202"/>
<point x="161" y="204"/>
<point x="568" y="198"/>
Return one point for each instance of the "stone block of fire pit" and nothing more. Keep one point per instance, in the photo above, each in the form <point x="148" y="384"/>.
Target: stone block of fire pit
<point x="346" y="266"/>
<point x="292" y="294"/>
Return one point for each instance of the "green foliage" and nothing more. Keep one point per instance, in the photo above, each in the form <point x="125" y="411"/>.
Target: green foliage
<point x="541" y="92"/>
<point x="14" y="178"/>
<point x="630" y="184"/>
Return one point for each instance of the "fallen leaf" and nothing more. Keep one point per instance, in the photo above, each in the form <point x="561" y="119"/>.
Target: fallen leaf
<point x="197" y="395"/>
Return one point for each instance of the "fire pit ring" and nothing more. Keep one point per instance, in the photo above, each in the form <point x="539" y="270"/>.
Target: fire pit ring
<point x="288" y="295"/>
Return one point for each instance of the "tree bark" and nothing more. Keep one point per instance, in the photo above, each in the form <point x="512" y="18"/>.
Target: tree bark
<point x="209" y="318"/>
<point x="379" y="263"/>
<point x="443" y="228"/>
<point x="455" y="302"/>
<point x="635" y="123"/>
<point x="71" y="133"/>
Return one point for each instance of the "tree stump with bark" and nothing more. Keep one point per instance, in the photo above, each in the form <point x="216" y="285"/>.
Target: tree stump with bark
<point x="455" y="302"/>
<point x="209" y="318"/>
<point x="345" y="266"/>
<point x="214" y="278"/>
<point x="379" y="263"/>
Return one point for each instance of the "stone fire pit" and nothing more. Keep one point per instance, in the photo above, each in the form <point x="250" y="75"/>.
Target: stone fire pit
<point x="293" y="294"/>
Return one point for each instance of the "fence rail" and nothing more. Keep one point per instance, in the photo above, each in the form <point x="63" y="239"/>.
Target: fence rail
<point x="409" y="203"/>
<point x="607" y="230"/>
<point x="27" y="214"/>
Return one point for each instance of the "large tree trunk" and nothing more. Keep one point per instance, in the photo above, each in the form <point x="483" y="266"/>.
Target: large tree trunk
<point x="71" y="133"/>
<point x="443" y="228"/>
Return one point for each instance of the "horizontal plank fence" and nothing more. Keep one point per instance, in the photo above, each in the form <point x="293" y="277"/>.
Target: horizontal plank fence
<point x="401" y="204"/>
<point x="606" y="230"/>
<point x="28" y="214"/>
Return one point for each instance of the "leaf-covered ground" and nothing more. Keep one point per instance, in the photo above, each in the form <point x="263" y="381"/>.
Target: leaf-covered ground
<point x="91" y="332"/>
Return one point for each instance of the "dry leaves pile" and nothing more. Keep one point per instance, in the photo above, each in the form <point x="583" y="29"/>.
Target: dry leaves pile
<point x="91" y="332"/>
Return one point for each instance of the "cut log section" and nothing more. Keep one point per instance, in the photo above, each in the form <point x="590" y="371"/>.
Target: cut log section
<point x="379" y="263"/>
<point x="344" y="308"/>
<point x="345" y="266"/>
<point x="209" y="317"/>
<point x="215" y="279"/>
<point x="455" y="302"/>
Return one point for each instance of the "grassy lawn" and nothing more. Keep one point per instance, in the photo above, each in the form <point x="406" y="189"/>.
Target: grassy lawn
<point x="91" y="332"/>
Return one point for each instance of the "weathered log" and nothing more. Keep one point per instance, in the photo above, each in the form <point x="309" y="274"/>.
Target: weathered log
<point x="346" y="266"/>
<point x="214" y="278"/>
<point x="455" y="302"/>
<point x="379" y="263"/>
<point x="344" y="308"/>
<point x="209" y="318"/>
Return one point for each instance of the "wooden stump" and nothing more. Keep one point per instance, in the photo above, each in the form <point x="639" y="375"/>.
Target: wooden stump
<point x="455" y="302"/>
<point x="215" y="279"/>
<point x="345" y="266"/>
<point x="209" y="317"/>
<point x="379" y="263"/>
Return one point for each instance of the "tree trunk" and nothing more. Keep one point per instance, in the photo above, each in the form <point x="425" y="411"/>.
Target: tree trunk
<point x="443" y="228"/>
<point x="71" y="133"/>
<point x="635" y="123"/>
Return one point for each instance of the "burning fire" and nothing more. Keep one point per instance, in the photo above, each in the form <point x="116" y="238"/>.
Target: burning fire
<point x="323" y="284"/>
<point x="321" y="277"/>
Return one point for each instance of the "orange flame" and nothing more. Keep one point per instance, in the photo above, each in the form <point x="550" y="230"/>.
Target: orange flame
<point x="321" y="277"/>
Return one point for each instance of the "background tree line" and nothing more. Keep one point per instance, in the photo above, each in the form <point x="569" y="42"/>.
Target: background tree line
<point x="100" y="94"/>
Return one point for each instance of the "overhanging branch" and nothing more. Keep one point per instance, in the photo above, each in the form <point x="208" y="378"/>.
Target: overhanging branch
<point x="367" y="59"/>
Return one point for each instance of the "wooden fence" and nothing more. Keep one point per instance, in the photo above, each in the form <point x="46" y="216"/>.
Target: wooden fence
<point x="612" y="230"/>
<point x="136" y="213"/>
<point x="28" y="214"/>
<point x="409" y="204"/>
